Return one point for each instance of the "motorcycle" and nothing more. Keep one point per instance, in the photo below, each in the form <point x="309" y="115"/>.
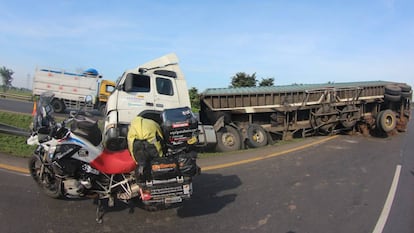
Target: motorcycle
<point x="70" y="161"/>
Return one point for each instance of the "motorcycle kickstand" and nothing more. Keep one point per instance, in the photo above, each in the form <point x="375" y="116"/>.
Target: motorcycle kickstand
<point x="99" y="211"/>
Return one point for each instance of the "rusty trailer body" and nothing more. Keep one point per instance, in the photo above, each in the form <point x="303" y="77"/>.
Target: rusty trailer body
<point x="253" y="116"/>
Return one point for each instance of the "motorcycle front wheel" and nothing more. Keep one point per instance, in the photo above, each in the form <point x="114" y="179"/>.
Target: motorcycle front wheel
<point x="45" y="178"/>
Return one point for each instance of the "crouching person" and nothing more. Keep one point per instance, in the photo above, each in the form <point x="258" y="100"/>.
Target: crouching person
<point x="145" y="143"/>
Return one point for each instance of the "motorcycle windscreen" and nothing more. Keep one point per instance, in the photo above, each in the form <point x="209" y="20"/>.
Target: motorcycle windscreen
<point x="114" y="162"/>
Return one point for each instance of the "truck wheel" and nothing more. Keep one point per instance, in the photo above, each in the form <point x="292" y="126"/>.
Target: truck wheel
<point x="228" y="139"/>
<point x="405" y="87"/>
<point x="392" y="98"/>
<point x="386" y="120"/>
<point x="349" y="116"/>
<point x="406" y="94"/>
<point x="392" y="90"/>
<point x="58" y="106"/>
<point x="324" y="120"/>
<point x="256" y="136"/>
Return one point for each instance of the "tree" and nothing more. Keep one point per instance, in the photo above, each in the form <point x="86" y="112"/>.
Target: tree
<point x="242" y="79"/>
<point x="267" y="82"/>
<point x="194" y="99"/>
<point x="6" y="75"/>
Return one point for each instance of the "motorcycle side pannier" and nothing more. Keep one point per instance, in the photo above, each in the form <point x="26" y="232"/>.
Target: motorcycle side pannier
<point x="163" y="168"/>
<point x="179" y="125"/>
<point x="187" y="164"/>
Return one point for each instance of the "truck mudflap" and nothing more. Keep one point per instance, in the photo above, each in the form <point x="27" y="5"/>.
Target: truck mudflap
<point x="167" y="192"/>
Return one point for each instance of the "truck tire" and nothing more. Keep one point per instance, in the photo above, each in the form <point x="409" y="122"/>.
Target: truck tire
<point x="392" y="98"/>
<point x="58" y="106"/>
<point x="228" y="139"/>
<point x="392" y="90"/>
<point x="406" y="94"/>
<point x="386" y="120"/>
<point x="327" y="122"/>
<point x="348" y="118"/>
<point x="405" y="87"/>
<point x="256" y="136"/>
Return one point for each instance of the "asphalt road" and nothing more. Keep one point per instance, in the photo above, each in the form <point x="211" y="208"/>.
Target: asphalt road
<point x="27" y="107"/>
<point x="16" y="105"/>
<point x="338" y="186"/>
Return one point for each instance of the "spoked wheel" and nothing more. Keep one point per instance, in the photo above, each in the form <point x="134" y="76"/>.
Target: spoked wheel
<point x="324" y="119"/>
<point x="349" y="116"/>
<point x="45" y="178"/>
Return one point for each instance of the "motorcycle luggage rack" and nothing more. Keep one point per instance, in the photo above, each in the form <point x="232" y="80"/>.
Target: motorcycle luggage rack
<point x="178" y="179"/>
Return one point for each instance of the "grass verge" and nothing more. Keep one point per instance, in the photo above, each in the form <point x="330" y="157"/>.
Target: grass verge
<point x="11" y="144"/>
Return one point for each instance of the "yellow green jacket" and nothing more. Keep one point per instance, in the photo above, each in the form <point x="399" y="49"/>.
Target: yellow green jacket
<point x="145" y="129"/>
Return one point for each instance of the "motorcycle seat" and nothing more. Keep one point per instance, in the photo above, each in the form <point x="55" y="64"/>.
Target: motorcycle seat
<point x="114" y="162"/>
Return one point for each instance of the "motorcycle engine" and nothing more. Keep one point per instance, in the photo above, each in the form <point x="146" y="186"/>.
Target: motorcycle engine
<point x="73" y="187"/>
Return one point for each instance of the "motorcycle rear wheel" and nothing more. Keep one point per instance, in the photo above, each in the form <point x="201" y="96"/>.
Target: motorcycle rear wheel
<point x="47" y="181"/>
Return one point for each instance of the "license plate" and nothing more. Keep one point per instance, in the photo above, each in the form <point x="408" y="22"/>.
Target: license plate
<point x="170" y="200"/>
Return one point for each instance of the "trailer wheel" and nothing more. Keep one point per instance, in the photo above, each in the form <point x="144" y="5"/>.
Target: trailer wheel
<point x="256" y="136"/>
<point x="392" y="90"/>
<point x="405" y="87"/>
<point x="58" y="106"/>
<point x="228" y="139"/>
<point x="392" y="98"/>
<point x="386" y="120"/>
<point x="406" y="94"/>
<point x="349" y="116"/>
<point x="324" y="119"/>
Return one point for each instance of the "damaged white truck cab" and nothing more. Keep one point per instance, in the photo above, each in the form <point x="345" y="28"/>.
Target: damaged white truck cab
<point x="144" y="91"/>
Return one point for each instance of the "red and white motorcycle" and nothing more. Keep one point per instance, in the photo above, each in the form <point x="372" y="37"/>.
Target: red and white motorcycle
<point x="71" y="162"/>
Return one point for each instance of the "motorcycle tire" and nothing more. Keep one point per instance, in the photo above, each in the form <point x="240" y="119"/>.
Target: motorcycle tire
<point x="49" y="183"/>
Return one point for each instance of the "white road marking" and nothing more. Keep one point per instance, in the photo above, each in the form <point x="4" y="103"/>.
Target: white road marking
<point x="388" y="203"/>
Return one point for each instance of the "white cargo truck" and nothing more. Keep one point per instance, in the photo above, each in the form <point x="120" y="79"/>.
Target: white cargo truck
<point x="70" y="89"/>
<point x="145" y="91"/>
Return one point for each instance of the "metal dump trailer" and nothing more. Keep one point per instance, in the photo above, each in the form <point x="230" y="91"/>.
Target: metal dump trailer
<point x="254" y="116"/>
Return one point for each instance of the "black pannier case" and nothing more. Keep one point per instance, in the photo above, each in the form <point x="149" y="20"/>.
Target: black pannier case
<point x="178" y="125"/>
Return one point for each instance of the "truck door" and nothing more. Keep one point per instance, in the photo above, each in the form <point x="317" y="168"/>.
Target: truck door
<point x="166" y="93"/>
<point x="137" y="97"/>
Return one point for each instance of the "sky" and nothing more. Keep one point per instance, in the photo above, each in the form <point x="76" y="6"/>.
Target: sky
<point x="291" y="41"/>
